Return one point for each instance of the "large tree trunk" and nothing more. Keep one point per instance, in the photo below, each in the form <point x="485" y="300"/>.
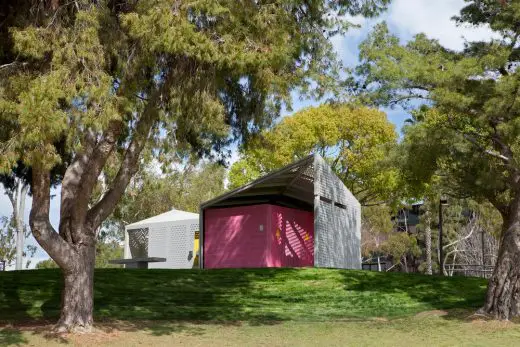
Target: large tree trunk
<point x="503" y="294"/>
<point x="78" y="294"/>
<point x="73" y="247"/>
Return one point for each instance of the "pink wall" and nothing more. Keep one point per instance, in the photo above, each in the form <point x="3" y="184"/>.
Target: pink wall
<point x="233" y="237"/>
<point x="292" y="237"/>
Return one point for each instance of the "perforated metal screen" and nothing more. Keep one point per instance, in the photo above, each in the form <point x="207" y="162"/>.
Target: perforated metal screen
<point x="138" y="242"/>
<point x="337" y="221"/>
<point x="175" y="242"/>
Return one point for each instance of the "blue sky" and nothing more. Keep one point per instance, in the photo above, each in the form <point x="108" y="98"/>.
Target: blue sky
<point x="405" y="18"/>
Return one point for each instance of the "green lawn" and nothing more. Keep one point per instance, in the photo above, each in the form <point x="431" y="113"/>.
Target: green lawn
<point x="256" y="296"/>
<point x="268" y="307"/>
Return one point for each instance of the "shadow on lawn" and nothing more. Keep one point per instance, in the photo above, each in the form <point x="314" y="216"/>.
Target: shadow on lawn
<point x="163" y="302"/>
<point x="214" y="296"/>
<point x="158" y="301"/>
<point x="459" y="296"/>
<point x="11" y="337"/>
<point x="10" y="300"/>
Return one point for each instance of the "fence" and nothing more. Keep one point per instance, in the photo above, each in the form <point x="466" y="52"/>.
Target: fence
<point x="471" y="270"/>
<point x="374" y="266"/>
<point x="2" y="265"/>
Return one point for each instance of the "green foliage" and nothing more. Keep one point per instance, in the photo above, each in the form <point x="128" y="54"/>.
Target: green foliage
<point x="354" y="140"/>
<point x="467" y="139"/>
<point x="90" y="63"/>
<point x="375" y="228"/>
<point x="231" y="295"/>
<point x="46" y="264"/>
<point x="401" y="244"/>
<point x="152" y="193"/>
<point x="7" y="240"/>
<point x="106" y="251"/>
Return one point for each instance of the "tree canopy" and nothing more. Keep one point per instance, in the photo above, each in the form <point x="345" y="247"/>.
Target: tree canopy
<point x="468" y="133"/>
<point x="354" y="140"/>
<point x="151" y="193"/>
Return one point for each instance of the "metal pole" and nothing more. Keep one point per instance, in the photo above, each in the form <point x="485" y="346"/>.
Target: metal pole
<point x="441" y="253"/>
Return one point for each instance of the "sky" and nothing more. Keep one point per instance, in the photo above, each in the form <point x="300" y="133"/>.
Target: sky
<point x="405" y="18"/>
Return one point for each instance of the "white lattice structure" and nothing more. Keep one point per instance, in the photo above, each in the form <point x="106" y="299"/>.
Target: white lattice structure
<point x="170" y="235"/>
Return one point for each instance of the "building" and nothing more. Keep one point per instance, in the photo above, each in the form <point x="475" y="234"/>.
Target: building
<point x="300" y="215"/>
<point x="166" y="241"/>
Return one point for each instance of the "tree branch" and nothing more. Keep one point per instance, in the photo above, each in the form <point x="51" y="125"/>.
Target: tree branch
<point x="80" y="179"/>
<point x="59" y="250"/>
<point x="104" y="207"/>
<point x="485" y="150"/>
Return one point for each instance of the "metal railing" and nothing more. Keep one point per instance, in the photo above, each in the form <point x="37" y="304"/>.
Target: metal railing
<point x="374" y="266"/>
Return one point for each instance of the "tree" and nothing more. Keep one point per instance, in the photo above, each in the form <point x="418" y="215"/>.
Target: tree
<point x="151" y="193"/>
<point x="354" y="140"/>
<point x="47" y="264"/>
<point x="9" y="243"/>
<point x="376" y="226"/>
<point x="106" y="250"/>
<point x="16" y="189"/>
<point x="469" y="137"/>
<point x="93" y="85"/>
<point x="399" y="246"/>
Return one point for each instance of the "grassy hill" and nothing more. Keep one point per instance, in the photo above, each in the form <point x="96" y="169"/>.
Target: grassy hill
<point x="254" y="295"/>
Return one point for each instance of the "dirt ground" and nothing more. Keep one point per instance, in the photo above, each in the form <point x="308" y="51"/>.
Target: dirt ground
<point x="427" y="328"/>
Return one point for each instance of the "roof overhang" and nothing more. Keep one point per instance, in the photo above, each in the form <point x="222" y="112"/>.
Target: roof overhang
<point x="291" y="186"/>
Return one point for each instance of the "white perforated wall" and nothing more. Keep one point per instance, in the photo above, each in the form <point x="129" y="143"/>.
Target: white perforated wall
<point x="173" y="241"/>
<point x="337" y="221"/>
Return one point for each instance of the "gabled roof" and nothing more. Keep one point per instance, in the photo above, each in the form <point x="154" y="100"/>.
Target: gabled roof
<point x="170" y="216"/>
<point x="293" y="185"/>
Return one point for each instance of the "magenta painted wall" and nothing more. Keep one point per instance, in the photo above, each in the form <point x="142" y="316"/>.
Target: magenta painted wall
<point x="292" y="241"/>
<point x="233" y="237"/>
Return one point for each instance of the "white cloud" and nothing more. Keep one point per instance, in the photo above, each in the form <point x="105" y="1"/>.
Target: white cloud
<point x="433" y="18"/>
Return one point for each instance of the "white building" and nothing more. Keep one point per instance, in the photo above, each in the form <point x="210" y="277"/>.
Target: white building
<point x="172" y="235"/>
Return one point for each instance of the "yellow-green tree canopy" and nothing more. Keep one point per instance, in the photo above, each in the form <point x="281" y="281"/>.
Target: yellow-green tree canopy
<point x="354" y="140"/>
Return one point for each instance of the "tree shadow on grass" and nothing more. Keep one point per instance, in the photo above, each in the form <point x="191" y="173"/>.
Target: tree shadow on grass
<point x="215" y="296"/>
<point x="159" y="302"/>
<point x="11" y="337"/>
<point x="400" y="294"/>
<point x="11" y="305"/>
<point x="154" y="328"/>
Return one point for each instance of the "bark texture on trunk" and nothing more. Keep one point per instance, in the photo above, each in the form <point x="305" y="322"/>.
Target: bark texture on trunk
<point x="503" y="293"/>
<point x="78" y="294"/>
